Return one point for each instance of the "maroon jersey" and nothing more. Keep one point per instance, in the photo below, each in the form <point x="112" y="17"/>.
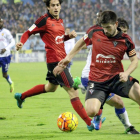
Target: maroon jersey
<point x="107" y="53"/>
<point x="52" y="33"/>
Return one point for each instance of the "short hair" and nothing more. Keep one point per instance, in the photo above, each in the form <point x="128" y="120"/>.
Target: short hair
<point x="47" y="2"/>
<point x="98" y="15"/>
<point x="108" y="17"/>
<point x="123" y="23"/>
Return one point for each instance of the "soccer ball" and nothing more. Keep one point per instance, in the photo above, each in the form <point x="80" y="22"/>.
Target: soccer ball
<point x="67" y="122"/>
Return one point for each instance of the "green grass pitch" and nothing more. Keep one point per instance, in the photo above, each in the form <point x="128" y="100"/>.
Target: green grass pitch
<point x="37" y="119"/>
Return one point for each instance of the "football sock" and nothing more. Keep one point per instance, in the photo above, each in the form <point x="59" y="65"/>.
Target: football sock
<point x="9" y="80"/>
<point x="33" y="91"/>
<point x="123" y="117"/>
<point x="99" y="113"/>
<point x="79" y="108"/>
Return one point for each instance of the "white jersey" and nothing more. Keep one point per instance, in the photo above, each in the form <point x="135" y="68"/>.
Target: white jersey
<point x="6" y="42"/>
<point x="85" y="72"/>
<point x="69" y="44"/>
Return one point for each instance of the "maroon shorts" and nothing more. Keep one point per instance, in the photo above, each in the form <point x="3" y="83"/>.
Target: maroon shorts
<point x="64" y="79"/>
<point x="102" y="90"/>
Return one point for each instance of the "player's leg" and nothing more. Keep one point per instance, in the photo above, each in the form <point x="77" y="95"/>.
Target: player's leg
<point x="94" y="100"/>
<point x="39" y="89"/>
<point x="66" y="81"/>
<point x="36" y="90"/>
<point x="5" y="66"/>
<point x="129" y="89"/>
<point x="77" y="105"/>
<point x="116" y="101"/>
<point x="82" y="84"/>
<point x="134" y="93"/>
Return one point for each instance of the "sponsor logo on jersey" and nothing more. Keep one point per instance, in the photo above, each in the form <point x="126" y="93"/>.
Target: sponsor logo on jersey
<point x="32" y="27"/>
<point x="2" y="34"/>
<point x="100" y="58"/>
<point x="115" y="43"/>
<point x="59" y="39"/>
<point x="85" y="36"/>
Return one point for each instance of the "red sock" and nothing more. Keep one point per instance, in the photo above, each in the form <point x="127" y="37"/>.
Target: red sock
<point x="33" y="91"/>
<point x="99" y="113"/>
<point x="78" y="107"/>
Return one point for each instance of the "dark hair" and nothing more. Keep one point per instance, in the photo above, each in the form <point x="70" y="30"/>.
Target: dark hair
<point x="98" y="15"/>
<point x="47" y="2"/>
<point x="122" y="23"/>
<point x="108" y="17"/>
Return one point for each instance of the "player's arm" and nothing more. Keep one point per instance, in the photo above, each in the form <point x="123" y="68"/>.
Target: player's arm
<point x="23" y="39"/>
<point x="11" y="41"/>
<point x="71" y="35"/>
<point x="131" y="68"/>
<point x="132" y="57"/>
<point x="64" y="62"/>
<point x="38" y="27"/>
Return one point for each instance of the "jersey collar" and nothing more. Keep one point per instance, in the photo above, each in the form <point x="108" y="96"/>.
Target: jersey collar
<point x="119" y="33"/>
<point x="50" y="15"/>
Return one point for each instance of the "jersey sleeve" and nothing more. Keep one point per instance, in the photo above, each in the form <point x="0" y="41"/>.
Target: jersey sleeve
<point x="130" y="47"/>
<point x="10" y="40"/>
<point x="88" y="36"/>
<point x="87" y="40"/>
<point x="9" y="36"/>
<point x="38" y="27"/>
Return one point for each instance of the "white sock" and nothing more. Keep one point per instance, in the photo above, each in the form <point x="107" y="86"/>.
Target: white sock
<point x="9" y="80"/>
<point x="124" y="119"/>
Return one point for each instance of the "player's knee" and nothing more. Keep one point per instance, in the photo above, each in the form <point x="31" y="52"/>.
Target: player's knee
<point x="118" y="103"/>
<point x="4" y="76"/>
<point x="49" y="88"/>
<point x="91" y="111"/>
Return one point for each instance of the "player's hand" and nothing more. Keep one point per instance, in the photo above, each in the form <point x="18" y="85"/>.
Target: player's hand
<point x="72" y="34"/>
<point x="2" y="51"/>
<point x="123" y="76"/>
<point x="57" y="70"/>
<point x="61" y="66"/>
<point x="19" y="46"/>
<point x="64" y="62"/>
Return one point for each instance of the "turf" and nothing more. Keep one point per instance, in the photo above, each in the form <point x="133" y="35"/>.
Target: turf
<point x="37" y="119"/>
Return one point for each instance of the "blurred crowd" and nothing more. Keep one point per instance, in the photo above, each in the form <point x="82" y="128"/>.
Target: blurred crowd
<point x="78" y="14"/>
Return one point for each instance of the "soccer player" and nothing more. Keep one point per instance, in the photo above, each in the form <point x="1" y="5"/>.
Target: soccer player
<point x="6" y="43"/>
<point x="69" y="44"/>
<point x="107" y="75"/>
<point x="112" y="99"/>
<point x="51" y="30"/>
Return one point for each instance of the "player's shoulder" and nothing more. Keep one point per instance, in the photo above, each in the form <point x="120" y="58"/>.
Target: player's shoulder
<point x="4" y="30"/>
<point x="41" y="21"/>
<point x="127" y="37"/>
<point x="94" y="28"/>
<point x="45" y="16"/>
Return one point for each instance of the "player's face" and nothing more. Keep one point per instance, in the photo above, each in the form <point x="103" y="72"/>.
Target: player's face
<point x="110" y="30"/>
<point x="54" y="8"/>
<point x="124" y="29"/>
<point x="1" y="24"/>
